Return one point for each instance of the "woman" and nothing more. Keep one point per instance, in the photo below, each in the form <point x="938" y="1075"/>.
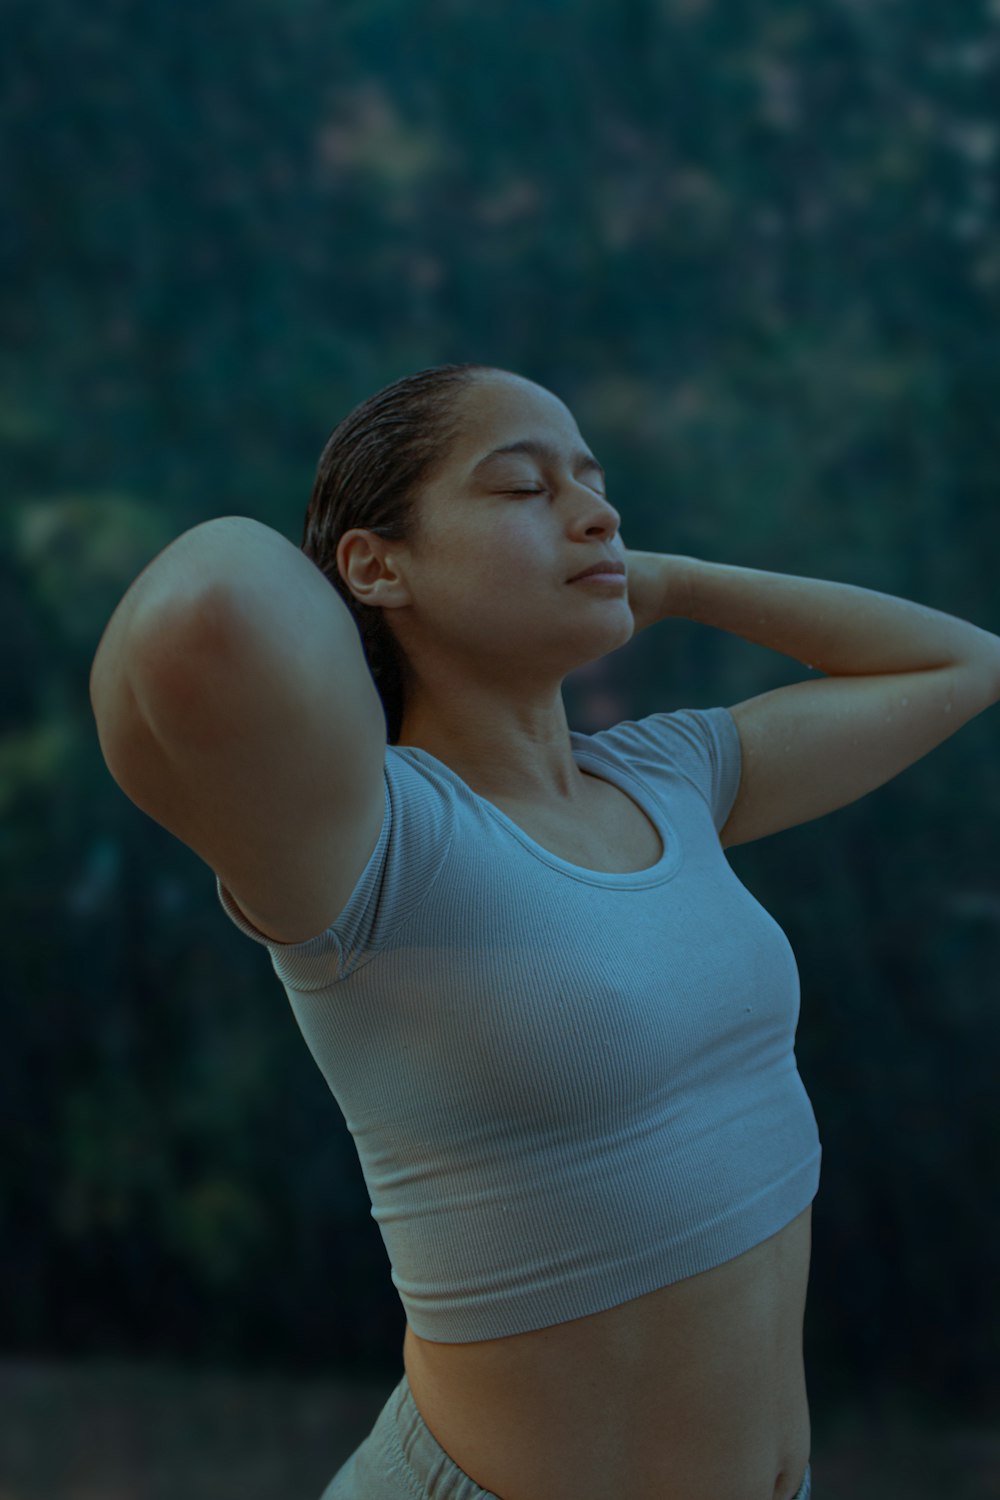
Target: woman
<point x="560" y="1030"/>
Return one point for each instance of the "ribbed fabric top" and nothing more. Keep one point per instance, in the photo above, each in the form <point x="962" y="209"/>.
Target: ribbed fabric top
<point x="566" y="1088"/>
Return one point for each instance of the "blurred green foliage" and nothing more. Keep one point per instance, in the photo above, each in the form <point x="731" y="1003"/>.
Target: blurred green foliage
<point x="756" y="248"/>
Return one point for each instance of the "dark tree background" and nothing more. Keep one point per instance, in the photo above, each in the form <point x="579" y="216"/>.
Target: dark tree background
<point x="756" y="249"/>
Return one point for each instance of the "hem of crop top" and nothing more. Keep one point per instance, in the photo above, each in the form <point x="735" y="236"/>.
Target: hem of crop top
<point x="635" y="1273"/>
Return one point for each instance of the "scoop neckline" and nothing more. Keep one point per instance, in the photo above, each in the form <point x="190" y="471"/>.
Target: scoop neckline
<point x="664" y="869"/>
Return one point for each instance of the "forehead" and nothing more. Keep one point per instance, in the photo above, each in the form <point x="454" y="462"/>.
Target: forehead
<point x="501" y="410"/>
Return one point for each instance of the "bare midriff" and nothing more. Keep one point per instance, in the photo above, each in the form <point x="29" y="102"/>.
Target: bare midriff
<point x="695" y="1391"/>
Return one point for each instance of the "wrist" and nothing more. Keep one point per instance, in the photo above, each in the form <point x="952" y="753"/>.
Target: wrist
<point x="678" y="586"/>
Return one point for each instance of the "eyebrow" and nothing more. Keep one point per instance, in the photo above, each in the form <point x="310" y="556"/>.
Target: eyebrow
<point x="541" y="450"/>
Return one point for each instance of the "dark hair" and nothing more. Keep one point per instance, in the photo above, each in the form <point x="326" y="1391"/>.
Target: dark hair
<point x="370" y="471"/>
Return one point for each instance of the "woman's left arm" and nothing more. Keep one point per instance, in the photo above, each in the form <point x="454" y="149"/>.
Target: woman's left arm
<point x="901" y="679"/>
<point x="836" y="628"/>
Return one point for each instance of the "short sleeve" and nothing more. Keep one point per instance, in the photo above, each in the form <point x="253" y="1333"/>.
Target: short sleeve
<point x="715" y="745"/>
<point x="702" y="745"/>
<point x="412" y="847"/>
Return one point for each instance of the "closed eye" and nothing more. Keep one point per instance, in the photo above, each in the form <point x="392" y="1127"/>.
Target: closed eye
<point x="542" y="492"/>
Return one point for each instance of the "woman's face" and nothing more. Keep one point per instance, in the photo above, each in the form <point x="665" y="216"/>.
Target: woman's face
<point x="484" y="591"/>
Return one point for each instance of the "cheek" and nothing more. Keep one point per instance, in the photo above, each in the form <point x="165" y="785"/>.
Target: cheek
<point x="497" y="562"/>
<point x="516" y="567"/>
<point x="503" y="547"/>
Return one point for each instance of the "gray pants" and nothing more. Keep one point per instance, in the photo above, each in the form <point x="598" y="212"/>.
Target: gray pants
<point x="401" y="1459"/>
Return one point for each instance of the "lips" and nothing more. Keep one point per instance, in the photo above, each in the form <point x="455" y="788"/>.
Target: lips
<point x="599" y="567"/>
